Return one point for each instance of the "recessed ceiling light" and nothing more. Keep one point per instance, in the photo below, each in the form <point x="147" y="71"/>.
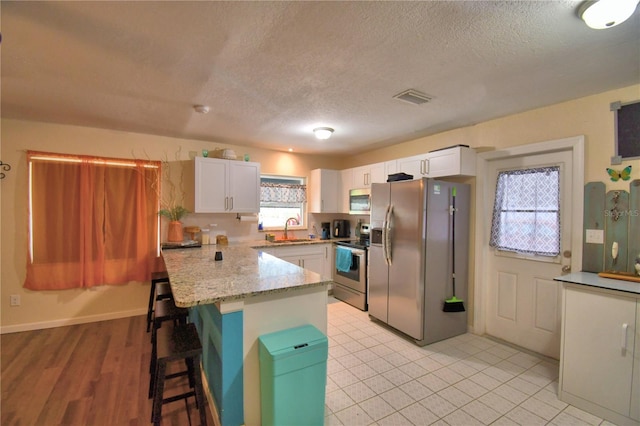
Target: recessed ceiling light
<point x="323" y="132"/>
<point x="201" y="109"/>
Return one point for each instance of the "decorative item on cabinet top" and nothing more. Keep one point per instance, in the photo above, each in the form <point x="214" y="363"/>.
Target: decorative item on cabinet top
<point x="227" y="154"/>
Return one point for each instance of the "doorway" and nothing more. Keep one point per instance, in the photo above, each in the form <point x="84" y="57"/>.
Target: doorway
<point x="516" y="297"/>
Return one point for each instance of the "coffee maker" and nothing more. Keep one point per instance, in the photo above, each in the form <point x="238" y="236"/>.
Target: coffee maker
<point x="341" y="228"/>
<point x="326" y="230"/>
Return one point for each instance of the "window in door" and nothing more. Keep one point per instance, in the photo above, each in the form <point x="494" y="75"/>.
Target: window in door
<point x="526" y="214"/>
<point x="282" y="198"/>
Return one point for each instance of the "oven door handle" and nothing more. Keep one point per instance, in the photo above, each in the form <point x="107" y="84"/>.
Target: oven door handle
<point x="357" y="252"/>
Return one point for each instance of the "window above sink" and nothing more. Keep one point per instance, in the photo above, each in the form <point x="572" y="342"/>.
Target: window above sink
<point x="281" y="198"/>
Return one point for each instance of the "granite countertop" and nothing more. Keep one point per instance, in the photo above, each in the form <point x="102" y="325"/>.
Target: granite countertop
<point x="196" y="278"/>
<point x="594" y="280"/>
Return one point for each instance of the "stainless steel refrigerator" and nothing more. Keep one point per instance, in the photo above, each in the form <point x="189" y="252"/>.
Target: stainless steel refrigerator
<point x="411" y="257"/>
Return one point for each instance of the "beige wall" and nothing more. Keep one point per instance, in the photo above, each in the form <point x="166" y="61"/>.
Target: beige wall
<point x="588" y="116"/>
<point x="42" y="309"/>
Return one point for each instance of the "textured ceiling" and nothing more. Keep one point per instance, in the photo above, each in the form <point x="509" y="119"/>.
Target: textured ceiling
<point x="272" y="71"/>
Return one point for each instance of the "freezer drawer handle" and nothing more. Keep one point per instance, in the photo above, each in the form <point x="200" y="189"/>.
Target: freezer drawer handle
<point x="304" y="345"/>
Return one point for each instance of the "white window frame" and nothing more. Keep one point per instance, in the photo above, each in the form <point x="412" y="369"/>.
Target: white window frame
<point x="303" y="205"/>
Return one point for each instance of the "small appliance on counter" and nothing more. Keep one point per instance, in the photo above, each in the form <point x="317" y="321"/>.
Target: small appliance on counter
<point x="341" y="228"/>
<point x="325" y="233"/>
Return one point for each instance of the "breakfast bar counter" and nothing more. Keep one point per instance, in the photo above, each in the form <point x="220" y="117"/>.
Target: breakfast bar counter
<point x="232" y="302"/>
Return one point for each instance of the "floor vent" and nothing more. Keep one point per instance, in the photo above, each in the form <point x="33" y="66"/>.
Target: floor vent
<point x="413" y="97"/>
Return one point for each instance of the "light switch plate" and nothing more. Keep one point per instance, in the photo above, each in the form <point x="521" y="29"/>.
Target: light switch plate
<point x="595" y="236"/>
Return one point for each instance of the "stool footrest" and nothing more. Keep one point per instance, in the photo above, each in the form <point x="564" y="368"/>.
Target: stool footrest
<point x="178" y="374"/>
<point x="178" y="397"/>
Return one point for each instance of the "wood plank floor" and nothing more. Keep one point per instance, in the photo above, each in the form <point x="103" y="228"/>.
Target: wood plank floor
<point x="88" y="374"/>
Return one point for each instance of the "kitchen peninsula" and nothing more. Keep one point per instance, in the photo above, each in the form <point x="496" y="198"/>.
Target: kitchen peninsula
<point x="232" y="302"/>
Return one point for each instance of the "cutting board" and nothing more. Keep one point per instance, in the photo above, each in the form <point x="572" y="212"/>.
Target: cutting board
<point x="593" y="217"/>
<point x="620" y="276"/>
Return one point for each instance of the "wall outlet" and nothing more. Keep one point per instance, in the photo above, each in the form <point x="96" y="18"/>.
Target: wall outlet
<point x="15" y="300"/>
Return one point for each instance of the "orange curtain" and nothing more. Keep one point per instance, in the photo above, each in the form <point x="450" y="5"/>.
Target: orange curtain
<point x="93" y="221"/>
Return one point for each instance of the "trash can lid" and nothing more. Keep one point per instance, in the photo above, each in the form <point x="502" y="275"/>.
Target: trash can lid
<point x="292" y="339"/>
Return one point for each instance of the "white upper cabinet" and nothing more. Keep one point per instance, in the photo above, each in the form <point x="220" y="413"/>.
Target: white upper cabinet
<point x="226" y="186"/>
<point x="364" y="176"/>
<point x="456" y="161"/>
<point x="324" y="187"/>
<point x="346" y="180"/>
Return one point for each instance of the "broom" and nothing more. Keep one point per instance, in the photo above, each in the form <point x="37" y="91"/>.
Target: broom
<point x="454" y="304"/>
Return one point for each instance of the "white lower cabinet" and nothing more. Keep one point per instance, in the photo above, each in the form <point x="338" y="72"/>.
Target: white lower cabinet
<point x="600" y="354"/>
<point x="314" y="257"/>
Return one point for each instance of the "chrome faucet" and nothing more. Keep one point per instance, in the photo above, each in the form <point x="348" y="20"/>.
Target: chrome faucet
<point x="286" y="225"/>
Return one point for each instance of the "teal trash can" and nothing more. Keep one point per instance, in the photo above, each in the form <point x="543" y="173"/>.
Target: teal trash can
<point x="293" y="376"/>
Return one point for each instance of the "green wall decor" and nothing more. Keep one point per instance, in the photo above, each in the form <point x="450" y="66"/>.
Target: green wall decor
<point x="609" y="217"/>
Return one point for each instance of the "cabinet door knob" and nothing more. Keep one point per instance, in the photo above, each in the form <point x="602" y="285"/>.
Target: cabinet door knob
<point x="625" y="326"/>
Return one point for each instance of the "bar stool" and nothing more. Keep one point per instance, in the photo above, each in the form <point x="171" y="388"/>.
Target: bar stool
<point x="177" y="343"/>
<point x="166" y="310"/>
<point x="160" y="289"/>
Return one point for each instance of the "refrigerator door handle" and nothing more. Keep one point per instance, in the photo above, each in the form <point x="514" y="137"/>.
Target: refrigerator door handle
<point x="384" y="235"/>
<point x="387" y="236"/>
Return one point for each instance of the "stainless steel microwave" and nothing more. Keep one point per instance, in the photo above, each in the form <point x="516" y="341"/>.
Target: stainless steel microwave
<point x="360" y="201"/>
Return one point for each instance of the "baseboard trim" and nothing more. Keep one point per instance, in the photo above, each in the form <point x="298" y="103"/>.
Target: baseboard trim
<point x="71" y="321"/>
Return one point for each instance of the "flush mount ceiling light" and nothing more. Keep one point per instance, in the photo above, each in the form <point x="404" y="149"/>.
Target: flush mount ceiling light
<point x="323" y="132"/>
<point x="201" y="109"/>
<point x="602" y="14"/>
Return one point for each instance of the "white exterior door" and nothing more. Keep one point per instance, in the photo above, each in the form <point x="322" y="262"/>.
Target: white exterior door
<point x="523" y="300"/>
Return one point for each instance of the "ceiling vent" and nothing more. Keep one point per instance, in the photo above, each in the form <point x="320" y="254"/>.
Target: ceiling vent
<point x="413" y="97"/>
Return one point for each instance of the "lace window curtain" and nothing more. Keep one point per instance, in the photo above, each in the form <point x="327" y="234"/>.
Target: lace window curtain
<point x="92" y="221"/>
<point x="526" y="214"/>
<point x="283" y="193"/>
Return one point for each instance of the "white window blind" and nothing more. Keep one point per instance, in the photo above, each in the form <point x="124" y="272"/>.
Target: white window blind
<point x="526" y="214"/>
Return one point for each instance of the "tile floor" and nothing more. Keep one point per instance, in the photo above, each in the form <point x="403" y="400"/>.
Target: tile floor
<point x="375" y="377"/>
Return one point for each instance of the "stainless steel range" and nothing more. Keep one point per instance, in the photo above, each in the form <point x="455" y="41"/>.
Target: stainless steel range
<point x="350" y="270"/>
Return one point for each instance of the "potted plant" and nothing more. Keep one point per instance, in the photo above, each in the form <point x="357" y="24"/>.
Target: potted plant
<point x="174" y="214"/>
<point x="172" y="196"/>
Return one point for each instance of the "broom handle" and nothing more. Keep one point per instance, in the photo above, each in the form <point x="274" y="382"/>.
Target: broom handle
<point x="453" y="242"/>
